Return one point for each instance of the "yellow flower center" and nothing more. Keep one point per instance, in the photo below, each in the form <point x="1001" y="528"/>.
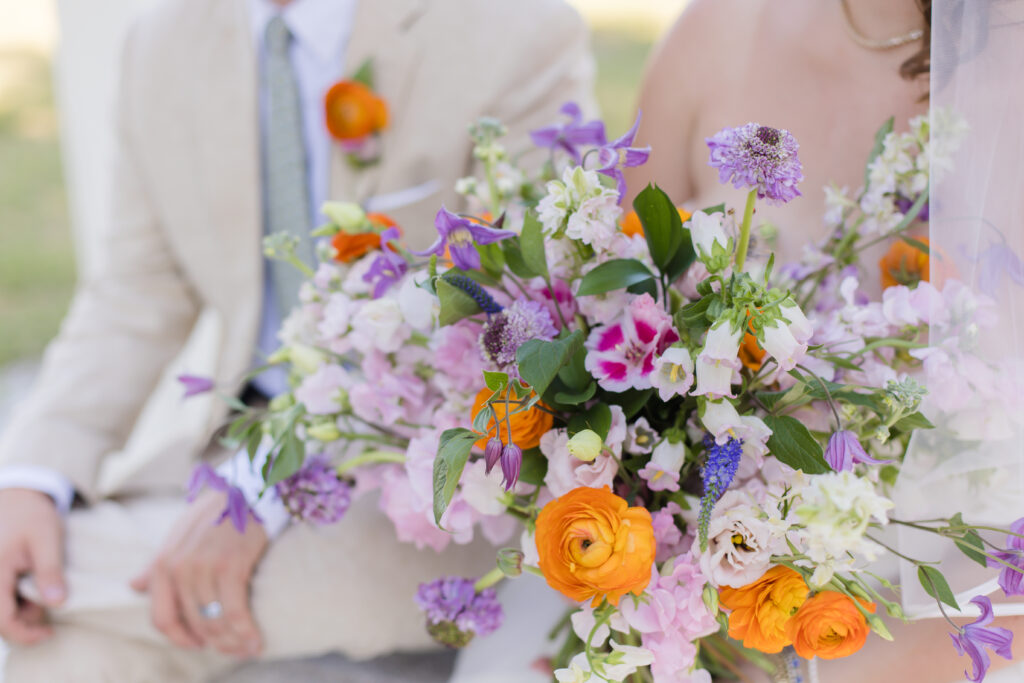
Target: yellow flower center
<point x="460" y="237"/>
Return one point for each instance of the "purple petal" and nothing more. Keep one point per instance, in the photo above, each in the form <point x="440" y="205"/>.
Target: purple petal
<point x="627" y="139"/>
<point x="465" y="256"/>
<point x="389" y="235"/>
<point x="483" y="234"/>
<point x="590" y="133"/>
<point x="546" y="137"/>
<point x="436" y="248"/>
<point x="195" y="385"/>
<point x="204" y="476"/>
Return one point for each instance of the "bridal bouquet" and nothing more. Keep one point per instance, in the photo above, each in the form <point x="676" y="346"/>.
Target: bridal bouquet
<point x="696" y="448"/>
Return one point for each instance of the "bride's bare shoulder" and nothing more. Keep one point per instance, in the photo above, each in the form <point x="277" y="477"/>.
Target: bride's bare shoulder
<point x="712" y="30"/>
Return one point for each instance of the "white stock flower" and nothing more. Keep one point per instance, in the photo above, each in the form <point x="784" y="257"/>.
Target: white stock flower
<point x="419" y="307"/>
<point x="580" y="192"/>
<point x="595" y="221"/>
<point x="837" y="202"/>
<point x="673" y="372"/>
<point x="379" y="325"/>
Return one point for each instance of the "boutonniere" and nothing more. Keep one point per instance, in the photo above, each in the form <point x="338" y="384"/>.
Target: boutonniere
<point x="356" y="115"/>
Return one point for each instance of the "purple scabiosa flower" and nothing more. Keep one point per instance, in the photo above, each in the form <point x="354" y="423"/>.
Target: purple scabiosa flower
<point x="511" y="463"/>
<point x="461" y="236"/>
<point x="844" y="451"/>
<point x="621" y="154"/>
<point x="315" y="493"/>
<point x="237" y="508"/>
<point x="571" y="135"/>
<point x="471" y="287"/>
<point x="388" y="267"/>
<point x="1011" y="580"/>
<point x="973" y="638"/>
<point x="195" y="385"/>
<point x="719" y="470"/>
<point x="506" y="331"/>
<point x="456" y="612"/>
<point x="492" y="453"/>
<point x="758" y="157"/>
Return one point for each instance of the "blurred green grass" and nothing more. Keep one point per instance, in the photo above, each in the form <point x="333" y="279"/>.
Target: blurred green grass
<point x="37" y="266"/>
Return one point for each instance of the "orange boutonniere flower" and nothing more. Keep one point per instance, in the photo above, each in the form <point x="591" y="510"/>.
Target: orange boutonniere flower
<point x="829" y="626"/>
<point x="631" y="225"/>
<point x="593" y="546"/>
<point x="354" y="112"/>
<point x="526" y="427"/>
<point x="762" y="610"/>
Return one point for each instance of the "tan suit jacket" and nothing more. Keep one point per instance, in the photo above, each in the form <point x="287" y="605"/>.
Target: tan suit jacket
<point x="185" y="234"/>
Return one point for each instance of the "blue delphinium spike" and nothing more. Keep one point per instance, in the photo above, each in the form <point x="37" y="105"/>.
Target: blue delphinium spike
<point x="719" y="469"/>
<point x="474" y="290"/>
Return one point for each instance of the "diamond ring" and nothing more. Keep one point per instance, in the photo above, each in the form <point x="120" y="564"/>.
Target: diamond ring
<point x="211" y="610"/>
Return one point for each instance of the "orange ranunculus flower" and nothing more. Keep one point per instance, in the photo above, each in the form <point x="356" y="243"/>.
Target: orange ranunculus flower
<point x="631" y="225"/>
<point x="527" y="426"/>
<point x="751" y="353"/>
<point x="353" y="111"/>
<point x="829" y="626"/>
<point x="348" y="247"/>
<point x="905" y="264"/>
<point x="593" y="545"/>
<point x="382" y="221"/>
<point x="762" y="610"/>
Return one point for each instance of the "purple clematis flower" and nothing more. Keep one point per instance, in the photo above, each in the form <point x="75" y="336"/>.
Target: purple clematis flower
<point x="844" y="451"/>
<point x="995" y="264"/>
<point x="622" y="154"/>
<point x="195" y="385"/>
<point x="974" y="638"/>
<point x="389" y="266"/>
<point x="1012" y="580"/>
<point x="237" y="508"/>
<point x="461" y="236"/>
<point x="569" y="136"/>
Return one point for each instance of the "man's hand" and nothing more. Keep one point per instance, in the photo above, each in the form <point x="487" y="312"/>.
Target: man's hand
<point x="203" y="563"/>
<point x="31" y="542"/>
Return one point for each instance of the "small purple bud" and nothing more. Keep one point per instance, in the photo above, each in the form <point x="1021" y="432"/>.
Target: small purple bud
<point x="511" y="461"/>
<point x="195" y="385"/>
<point x="492" y="453"/>
<point x="844" y="451"/>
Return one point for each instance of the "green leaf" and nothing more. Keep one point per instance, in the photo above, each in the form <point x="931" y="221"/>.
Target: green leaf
<point x="598" y="419"/>
<point x="645" y="287"/>
<point x="534" y="467"/>
<point x="909" y="423"/>
<point x="717" y="208"/>
<point x="495" y="381"/>
<point x="578" y="397"/>
<point x="973" y="547"/>
<point x="574" y="375"/>
<point x="615" y="274"/>
<point x="483" y="419"/>
<point x="288" y="460"/>
<point x="694" y="315"/>
<point x="515" y="261"/>
<point x="253" y="445"/>
<point x="878" y="146"/>
<point x="631" y="401"/>
<point x="452" y="454"/>
<point x="917" y="244"/>
<point x="492" y="259"/>
<point x="684" y="258"/>
<point x="531" y="243"/>
<point x="934" y="584"/>
<point x="364" y="74"/>
<point x="793" y="444"/>
<point x="539" y="361"/>
<point x="455" y="304"/>
<point x="662" y="227"/>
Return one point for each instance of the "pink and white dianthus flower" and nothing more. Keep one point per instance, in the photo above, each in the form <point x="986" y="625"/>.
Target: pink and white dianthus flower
<point x="621" y="354"/>
<point x="566" y="473"/>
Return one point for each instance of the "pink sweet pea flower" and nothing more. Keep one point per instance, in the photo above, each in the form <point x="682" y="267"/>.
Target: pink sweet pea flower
<point x="621" y="354"/>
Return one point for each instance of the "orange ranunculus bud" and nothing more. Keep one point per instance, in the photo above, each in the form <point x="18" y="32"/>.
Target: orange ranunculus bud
<point x="761" y="611"/>
<point x="348" y="248"/>
<point x="593" y="545"/>
<point x="527" y="426"/>
<point x="829" y="626"/>
<point x="353" y="111"/>
<point x="631" y="225"/>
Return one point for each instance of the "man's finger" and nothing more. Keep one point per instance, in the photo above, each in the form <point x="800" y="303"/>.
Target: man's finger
<point x="233" y="589"/>
<point x="47" y="557"/>
<point x="166" y="612"/>
<point x="12" y="626"/>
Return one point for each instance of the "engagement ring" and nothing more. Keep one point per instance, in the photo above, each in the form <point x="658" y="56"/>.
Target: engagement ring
<point x="211" y="610"/>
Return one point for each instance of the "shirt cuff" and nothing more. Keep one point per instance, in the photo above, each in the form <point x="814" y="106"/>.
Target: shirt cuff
<point x="247" y="477"/>
<point x="41" y="479"/>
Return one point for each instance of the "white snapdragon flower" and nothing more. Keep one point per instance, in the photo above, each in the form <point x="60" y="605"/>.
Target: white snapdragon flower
<point x="717" y="361"/>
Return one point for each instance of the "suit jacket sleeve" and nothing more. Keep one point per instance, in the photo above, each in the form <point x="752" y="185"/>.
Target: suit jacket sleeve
<point x="125" y="324"/>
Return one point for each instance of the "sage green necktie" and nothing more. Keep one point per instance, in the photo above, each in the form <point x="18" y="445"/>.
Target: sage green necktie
<point x="285" y="172"/>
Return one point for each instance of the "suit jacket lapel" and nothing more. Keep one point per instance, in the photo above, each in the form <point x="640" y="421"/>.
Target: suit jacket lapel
<point x="377" y="34"/>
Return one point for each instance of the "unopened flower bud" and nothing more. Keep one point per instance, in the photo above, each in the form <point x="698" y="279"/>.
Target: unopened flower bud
<point x="879" y="627"/>
<point x="281" y="402"/>
<point x="348" y="216"/>
<point x="510" y="562"/>
<point x="511" y="462"/>
<point x="492" y="453"/>
<point x="305" y="359"/>
<point x="586" y="445"/>
<point x="894" y="610"/>
<point x="325" y="431"/>
<point x="710" y="596"/>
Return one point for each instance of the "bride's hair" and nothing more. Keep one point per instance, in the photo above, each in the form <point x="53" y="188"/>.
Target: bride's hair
<point x="920" y="63"/>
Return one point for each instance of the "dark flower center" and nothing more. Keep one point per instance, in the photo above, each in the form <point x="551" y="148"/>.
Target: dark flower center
<point x="769" y="136"/>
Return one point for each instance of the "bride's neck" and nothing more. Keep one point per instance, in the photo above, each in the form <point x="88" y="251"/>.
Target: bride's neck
<point x="885" y="18"/>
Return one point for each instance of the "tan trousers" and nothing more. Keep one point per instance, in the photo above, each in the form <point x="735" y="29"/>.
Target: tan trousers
<point x="344" y="588"/>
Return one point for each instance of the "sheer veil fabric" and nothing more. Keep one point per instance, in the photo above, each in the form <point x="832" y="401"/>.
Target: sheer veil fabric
<point x="973" y="462"/>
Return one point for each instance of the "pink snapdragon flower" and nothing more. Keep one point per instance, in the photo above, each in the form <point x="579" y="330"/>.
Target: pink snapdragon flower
<point x="621" y="354"/>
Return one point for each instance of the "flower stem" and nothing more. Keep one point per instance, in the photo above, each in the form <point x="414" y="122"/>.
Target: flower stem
<point x="748" y="217"/>
<point x="370" y="458"/>
<point x="489" y="579"/>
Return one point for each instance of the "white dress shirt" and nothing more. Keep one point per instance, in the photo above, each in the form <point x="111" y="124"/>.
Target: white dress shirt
<point x="320" y="31"/>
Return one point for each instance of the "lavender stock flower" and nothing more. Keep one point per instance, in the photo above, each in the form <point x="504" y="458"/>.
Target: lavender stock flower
<point x="973" y="638"/>
<point x="1011" y="579"/>
<point x="315" y="493"/>
<point x="758" y="157"/>
<point x="237" y="508"/>
<point x="461" y="236"/>
<point x="389" y="266"/>
<point x="621" y="154"/>
<point x="570" y="135"/>
<point x="718" y="472"/>
<point x="845" y="450"/>
<point x="195" y="385"/>
<point x="506" y="331"/>
<point x="456" y="612"/>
